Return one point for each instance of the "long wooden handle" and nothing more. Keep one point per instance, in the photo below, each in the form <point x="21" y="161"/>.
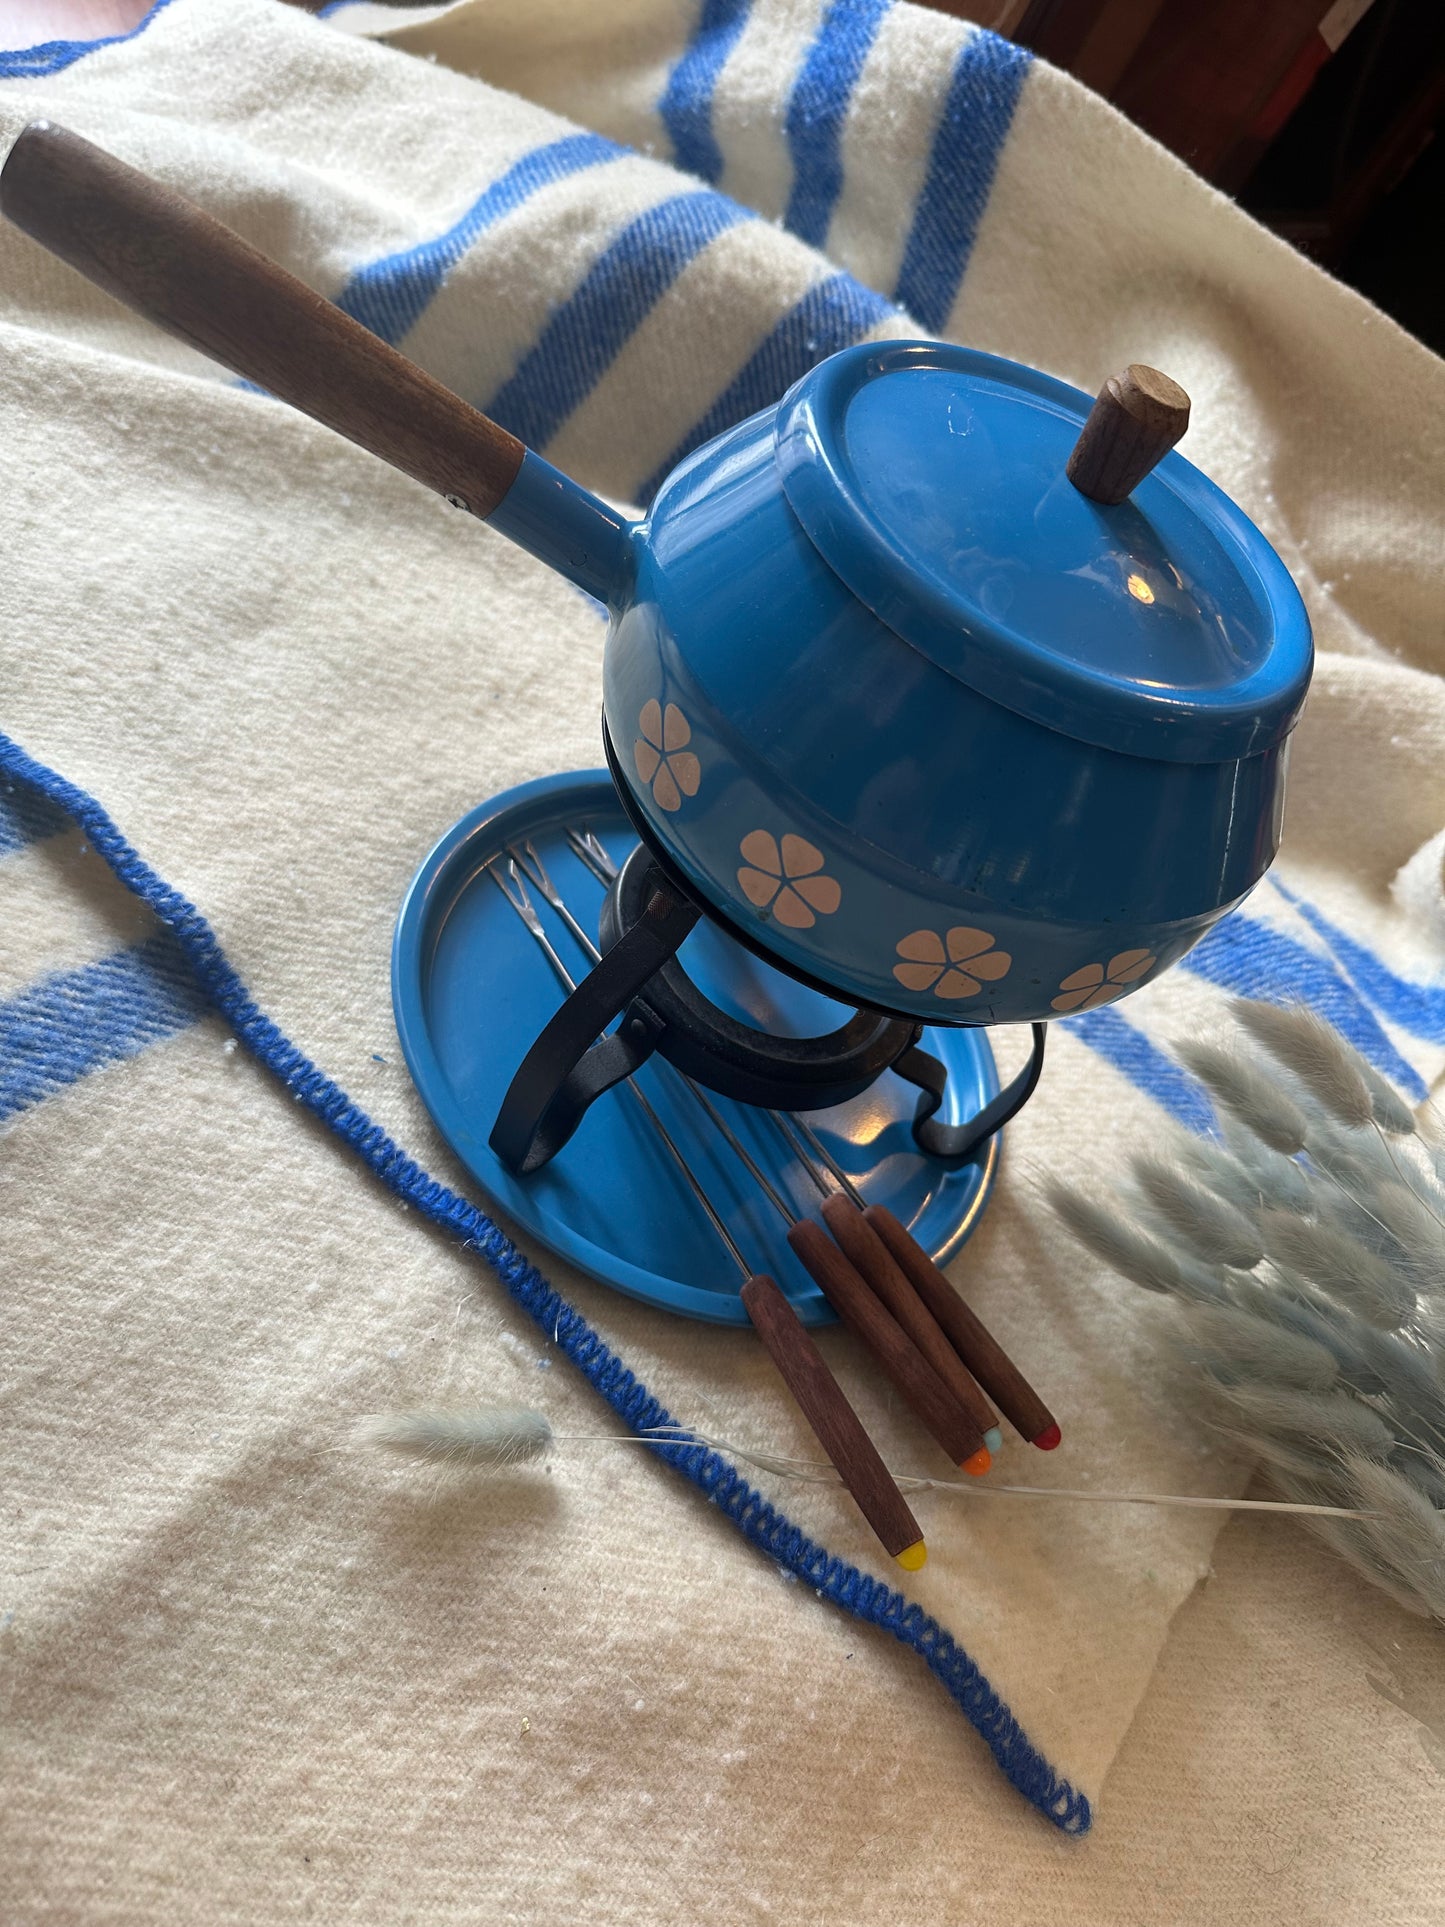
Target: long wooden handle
<point x="969" y="1336"/>
<point x="877" y="1266"/>
<point x="920" y="1387"/>
<point x="836" y="1426"/>
<point x="179" y="267"/>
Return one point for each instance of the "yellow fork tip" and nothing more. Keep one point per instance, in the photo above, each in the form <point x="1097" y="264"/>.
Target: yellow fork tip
<point x="913" y="1558"/>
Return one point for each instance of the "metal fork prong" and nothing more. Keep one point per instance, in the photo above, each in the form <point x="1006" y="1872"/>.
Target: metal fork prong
<point x="522" y="904"/>
<point x="589" y="848"/>
<point x="534" y="867"/>
<point x="516" y="895"/>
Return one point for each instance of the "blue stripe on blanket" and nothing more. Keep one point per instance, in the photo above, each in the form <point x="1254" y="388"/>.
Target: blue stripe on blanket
<point x="390" y="295"/>
<point x="833" y="314"/>
<point x="686" y="104"/>
<point x="27" y="817"/>
<point x="75" y="1021"/>
<point x="1417" y="1008"/>
<point x="1254" y="960"/>
<point x="1124" y="1046"/>
<point x="589" y="330"/>
<point x="988" y="77"/>
<point x="36" y="63"/>
<point x="818" y="108"/>
<point x="761" y="1524"/>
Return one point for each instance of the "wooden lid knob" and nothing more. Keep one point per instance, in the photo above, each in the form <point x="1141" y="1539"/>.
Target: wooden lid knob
<point x="1138" y="418"/>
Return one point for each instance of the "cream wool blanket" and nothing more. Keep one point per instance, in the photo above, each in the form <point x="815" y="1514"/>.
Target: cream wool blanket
<point x="250" y="1673"/>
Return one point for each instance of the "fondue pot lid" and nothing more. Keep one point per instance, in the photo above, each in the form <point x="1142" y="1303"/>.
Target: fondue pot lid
<point x="931" y="480"/>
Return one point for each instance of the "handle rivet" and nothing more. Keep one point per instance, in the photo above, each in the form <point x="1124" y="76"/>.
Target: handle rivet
<point x="459" y="502"/>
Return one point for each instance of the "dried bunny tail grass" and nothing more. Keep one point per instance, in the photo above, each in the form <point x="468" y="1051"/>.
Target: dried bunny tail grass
<point x="1413" y="1236"/>
<point x="1120" y="1243"/>
<point x="1330" y="1424"/>
<point x="1313" y="1478"/>
<point x="1276" y="1179"/>
<point x="1248" y="1093"/>
<point x="1401" y="1549"/>
<point x="1380" y="1365"/>
<point x="1218" y="1170"/>
<point x="1339" y="1265"/>
<point x="1317" y="1055"/>
<point x="1422" y="1468"/>
<point x="1215" y="1232"/>
<point x="1385" y="1561"/>
<point x="1235" y="1345"/>
<point x="821" y="1472"/>
<point x="1392" y="1113"/>
<point x="486" y="1435"/>
<point x="1357" y="1160"/>
<point x="499" y="1436"/>
<point x="1371" y="1363"/>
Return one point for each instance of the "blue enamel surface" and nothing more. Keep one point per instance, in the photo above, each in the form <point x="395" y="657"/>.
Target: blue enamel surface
<point x="568" y="527"/>
<point x="931" y="478"/>
<point x="934" y="808"/>
<point x="912" y="714"/>
<point x="471" y="990"/>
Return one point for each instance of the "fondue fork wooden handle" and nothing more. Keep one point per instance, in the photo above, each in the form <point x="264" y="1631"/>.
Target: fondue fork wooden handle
<point x="182" y="269"/>
<point x="872" y="1259"/>
<point x="970" y="1338"/>
<point x="925" y="1394"/>
<point x="835" y="1424"/>
<point x="1138" y="417"/>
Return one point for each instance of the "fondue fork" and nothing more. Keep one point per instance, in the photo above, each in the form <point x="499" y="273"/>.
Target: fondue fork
<point x="834" y="1423"/>
<point x="867" y="1289"/>
<point x="893" y="1282"/>
<point x="522" y="904"/>
<point x="528" y="861"/>
<point x="941" y="1324"/>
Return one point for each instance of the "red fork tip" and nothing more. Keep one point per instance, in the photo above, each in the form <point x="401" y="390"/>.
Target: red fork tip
<point x="1048" y="1438"/>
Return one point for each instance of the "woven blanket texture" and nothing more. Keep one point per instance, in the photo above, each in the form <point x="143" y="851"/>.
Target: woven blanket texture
<point x="248" y="676"/>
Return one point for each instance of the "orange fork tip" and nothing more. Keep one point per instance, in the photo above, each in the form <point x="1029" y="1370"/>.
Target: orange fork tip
<point x="913" y="1558"/>
<point x="978" y="1464"/>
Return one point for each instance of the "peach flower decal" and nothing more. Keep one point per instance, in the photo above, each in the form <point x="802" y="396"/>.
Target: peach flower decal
<point x="787" y="880"/>
<point x="956" y="965"/>
<point x="662" y="756"/>
<point x="1102" y="983"/>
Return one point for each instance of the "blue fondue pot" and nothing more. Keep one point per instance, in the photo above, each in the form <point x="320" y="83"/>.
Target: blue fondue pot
<point x="886" y="694"/>
<point x="905" y="708"/>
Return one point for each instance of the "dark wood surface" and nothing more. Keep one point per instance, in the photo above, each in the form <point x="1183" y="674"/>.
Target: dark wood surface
<point x="1138" y="417"/>
<point x="159" y="253"/>
<point x="920" y="1387"/>
<point x="875" y="1263"/>
<point x="970" y="1338"/>
<point x="835" y="1424"/>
